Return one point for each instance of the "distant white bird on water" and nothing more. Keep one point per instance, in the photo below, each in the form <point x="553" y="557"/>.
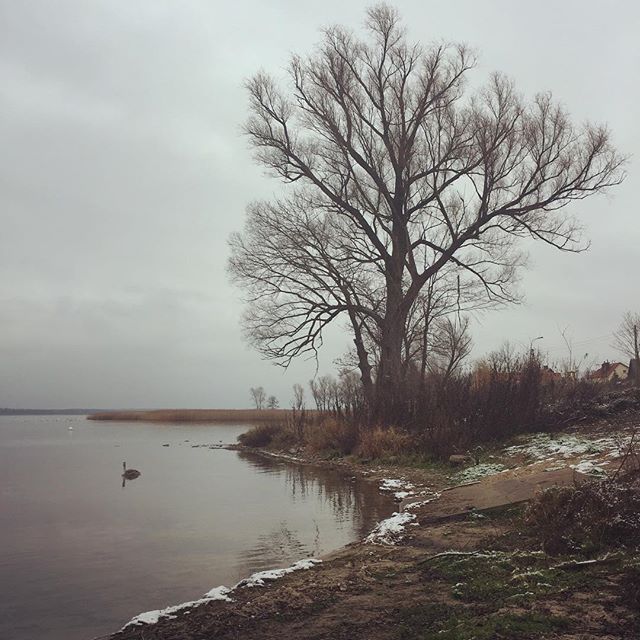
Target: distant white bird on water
<point x="129" y="474"/>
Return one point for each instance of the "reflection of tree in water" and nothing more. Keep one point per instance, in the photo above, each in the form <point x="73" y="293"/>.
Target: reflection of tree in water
<point x="356" y="501"/>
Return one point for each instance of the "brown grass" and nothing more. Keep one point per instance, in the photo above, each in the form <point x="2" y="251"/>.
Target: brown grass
<point x="196" y="415"/>
<point x="330" y="435"/>
<point x="379" y="443"/>
<point x="587" y="517"/>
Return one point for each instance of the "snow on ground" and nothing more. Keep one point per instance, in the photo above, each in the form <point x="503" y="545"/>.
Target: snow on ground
<point x="553" y="448"/>
<point x="588" y="467"/>
<point x="390" y="530"/>
<point x="221" y="593"/>
<point x="434" y="495"/>
<point x="390" y="484"/>
<point x="259" y="579"/>
<point x="542" y="446"/>
<point x="477" y="471"/>
<point x="400" y="488"/>
<point x="151" y="617"/>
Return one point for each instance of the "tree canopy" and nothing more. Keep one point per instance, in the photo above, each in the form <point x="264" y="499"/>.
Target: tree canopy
<point x="402" y="180"/>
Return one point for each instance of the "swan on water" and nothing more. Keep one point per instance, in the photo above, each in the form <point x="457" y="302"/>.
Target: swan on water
<point x="129" y="474"/>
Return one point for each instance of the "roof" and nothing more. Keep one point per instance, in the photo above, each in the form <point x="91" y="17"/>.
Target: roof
<point x="605" y="370"/>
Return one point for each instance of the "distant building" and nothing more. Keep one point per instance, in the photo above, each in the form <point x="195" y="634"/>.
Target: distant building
<point x="608" y="372"/>
<point x="549" y="375"/>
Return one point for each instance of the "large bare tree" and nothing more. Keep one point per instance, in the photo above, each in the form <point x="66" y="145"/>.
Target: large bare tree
<point x="398" y="173"/>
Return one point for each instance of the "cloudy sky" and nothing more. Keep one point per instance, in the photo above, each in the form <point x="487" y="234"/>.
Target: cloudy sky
<point x="123" y="172"/>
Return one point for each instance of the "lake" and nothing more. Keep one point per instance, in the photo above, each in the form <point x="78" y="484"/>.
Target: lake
<point x="81" y="554"/>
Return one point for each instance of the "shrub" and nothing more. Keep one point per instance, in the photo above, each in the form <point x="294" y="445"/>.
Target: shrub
<point x="285" y="438"/>
<point x="331" y="435"/>
<point x="380" y="443"/>
<point x="261" y="435"/>
<point x="630" y="586"/>
<point x="586" y="517"/>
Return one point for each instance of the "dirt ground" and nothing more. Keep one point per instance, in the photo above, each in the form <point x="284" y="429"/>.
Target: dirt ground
<point x="402" y="592"/>
<point x="467" y="569"/>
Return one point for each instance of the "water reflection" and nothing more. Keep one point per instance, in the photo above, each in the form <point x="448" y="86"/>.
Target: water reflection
<point x="85" y="556"/>
<point x="354" y="504"/>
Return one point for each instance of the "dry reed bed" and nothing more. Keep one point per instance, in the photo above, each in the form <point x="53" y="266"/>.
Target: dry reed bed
<point x="195" y="415"/>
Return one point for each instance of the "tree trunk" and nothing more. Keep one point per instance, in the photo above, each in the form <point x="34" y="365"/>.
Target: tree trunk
<point x="365" y="368"/>
<point x="389" y="401"/>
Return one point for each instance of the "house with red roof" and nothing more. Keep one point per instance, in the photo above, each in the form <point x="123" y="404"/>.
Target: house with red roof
<point x="608" y="372"/>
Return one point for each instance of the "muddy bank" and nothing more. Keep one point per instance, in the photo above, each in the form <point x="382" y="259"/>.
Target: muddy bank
<point x="467" y="579"/>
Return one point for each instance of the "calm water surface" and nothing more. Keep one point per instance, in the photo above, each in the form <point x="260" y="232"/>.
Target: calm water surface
<point x="80" y="554"/>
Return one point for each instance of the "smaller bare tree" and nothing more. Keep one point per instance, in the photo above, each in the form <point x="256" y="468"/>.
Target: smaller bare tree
<point x="272" y="402"/>
<point x="298" y="410"/>
<point x="451" y="345"/>
<point x="504" y="361"/>
<point x="258" y="395"/>
<point x="627" y="341"/>
<point x="322" y="392"/>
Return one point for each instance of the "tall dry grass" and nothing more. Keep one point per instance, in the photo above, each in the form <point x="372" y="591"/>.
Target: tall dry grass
<point x="196" y="415"/>
<point x="330" y="434"/>
<point x="381" y="443"/>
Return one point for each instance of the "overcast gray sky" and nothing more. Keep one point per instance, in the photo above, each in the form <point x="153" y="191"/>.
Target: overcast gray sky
<point x="123" y="171"/>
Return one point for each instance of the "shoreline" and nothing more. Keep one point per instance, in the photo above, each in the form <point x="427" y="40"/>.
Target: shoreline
<point x="380" y="533"/>
<point x="375" y="588"/>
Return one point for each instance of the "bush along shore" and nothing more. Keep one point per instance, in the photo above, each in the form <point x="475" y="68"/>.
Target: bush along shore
<point x="534" y="536"/>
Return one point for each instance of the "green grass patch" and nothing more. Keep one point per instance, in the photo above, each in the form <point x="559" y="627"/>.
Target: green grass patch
<point x="414" y="621"/>
<point x="439" y="621"/>
<point x="418" y="461"/>
<point x="493" y="627"/>
<point x="501" y="578"/>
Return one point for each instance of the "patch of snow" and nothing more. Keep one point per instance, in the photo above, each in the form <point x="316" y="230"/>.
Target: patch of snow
<point x="152" y="617"/>
<point x="258" y="579"/>
<point x="220" y="593"/>
<point x="390" y="484"/>
<point x="390" y="530"/>
<point x="419" y="503"/>
<point x="401" y="488"/>
<point x="543" y="446"/>
<point x="589" y="468"/>
<point x="478" y="471"/>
